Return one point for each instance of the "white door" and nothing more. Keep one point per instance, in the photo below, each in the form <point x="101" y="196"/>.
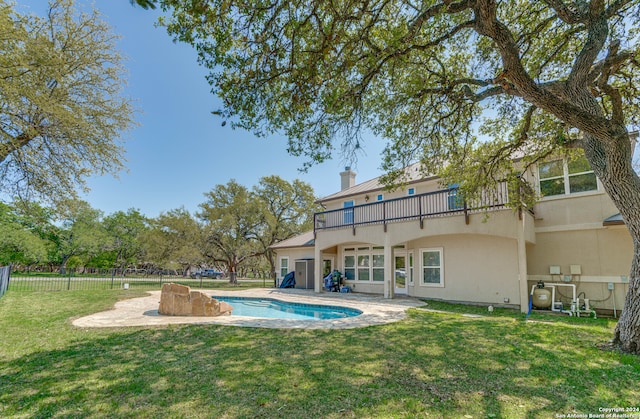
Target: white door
<point x="400" y="273"/>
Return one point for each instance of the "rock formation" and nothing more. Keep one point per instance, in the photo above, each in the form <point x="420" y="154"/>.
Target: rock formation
<point x="179" y="300"/>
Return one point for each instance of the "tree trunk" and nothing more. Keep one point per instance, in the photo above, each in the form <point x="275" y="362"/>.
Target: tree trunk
<point x="612" y="164"/>
<point x="272" y="264"/>
<point x="627" y="334"/>
<point x="233" y="277"/>
<point x="63" y="265"/>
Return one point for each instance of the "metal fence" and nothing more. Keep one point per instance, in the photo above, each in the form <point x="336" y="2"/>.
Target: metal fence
<point x="5" y="273"/>
<point x="416" y="207"/>
<point x="84" y="283"/>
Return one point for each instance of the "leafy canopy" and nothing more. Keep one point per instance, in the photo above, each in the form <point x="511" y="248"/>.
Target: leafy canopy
<point x="434" y="78"/>
<point x="62" y="110"/>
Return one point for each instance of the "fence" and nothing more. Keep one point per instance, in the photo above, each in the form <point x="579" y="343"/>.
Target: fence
<point x="5" y="273"/>
<point x="83" y="283"/>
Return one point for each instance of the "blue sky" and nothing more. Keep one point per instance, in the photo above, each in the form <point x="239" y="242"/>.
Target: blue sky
<point x="180" y="151"/>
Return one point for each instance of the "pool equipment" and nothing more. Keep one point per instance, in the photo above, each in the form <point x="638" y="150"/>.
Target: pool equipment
<point x="540" y="299"/>
<point x="540" y="296"/>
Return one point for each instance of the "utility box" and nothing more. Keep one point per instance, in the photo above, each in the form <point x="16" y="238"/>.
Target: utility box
<point x="305" y="273"/>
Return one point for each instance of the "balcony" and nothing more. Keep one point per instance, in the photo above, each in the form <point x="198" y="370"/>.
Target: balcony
<point x="441" y="203"/>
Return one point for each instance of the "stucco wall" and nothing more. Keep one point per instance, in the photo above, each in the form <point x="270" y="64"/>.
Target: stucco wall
<point x="604" y="255"/>
<point x="569" y="231"/>
<point x="604" y="251"/>
<point x="482" y="269"/>
<point x="292" y="254"/>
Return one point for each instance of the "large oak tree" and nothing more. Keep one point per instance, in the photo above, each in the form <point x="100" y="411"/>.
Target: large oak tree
<point x="62" y="109"/>
<point x="536" y="77"/>
<point x="286" y="210"/>
<point x="232" y="224"/>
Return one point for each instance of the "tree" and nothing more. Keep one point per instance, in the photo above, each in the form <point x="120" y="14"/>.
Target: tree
<point x="145" y="4"/>
<point x="81" y="233"/>
<point x="20" y="241"/>
<point x="232" y="220"/>
<point x="287" y="210"/>
<point x="555" y="76"/>
<point x="61" y="105"/>
<point x="174" y="238"/>
<point x="124" y="230"/>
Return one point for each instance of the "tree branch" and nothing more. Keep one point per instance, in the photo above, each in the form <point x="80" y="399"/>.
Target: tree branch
<point x="565" y="13"/>
<point x="598" y="31"/>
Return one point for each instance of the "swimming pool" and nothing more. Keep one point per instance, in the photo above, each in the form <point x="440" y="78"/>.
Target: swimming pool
<point x="275" y="309"/>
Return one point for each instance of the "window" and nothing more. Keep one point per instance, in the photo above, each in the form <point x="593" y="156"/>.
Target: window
<point x="350" y="267"/>
<point x="432" y="267"/>
<point x="348" y="212"/>
<point x="284" y="267"/>
<point x="454" y="201"/>
<point x="380" y="197"/>
<point x="378" y="267"/>
<point x="363" y="268"/>
<point x="364" y="263"/>
<point x="562" y="177"/>
<point x="411" y="191"/>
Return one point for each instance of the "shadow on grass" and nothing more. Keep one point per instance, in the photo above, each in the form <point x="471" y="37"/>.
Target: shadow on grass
<point x="432" y="364"/>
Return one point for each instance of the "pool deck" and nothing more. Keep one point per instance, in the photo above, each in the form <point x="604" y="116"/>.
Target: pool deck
<point x="143" y="311"/>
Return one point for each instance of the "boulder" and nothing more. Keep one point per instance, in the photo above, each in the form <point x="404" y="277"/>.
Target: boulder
<point x="179" y="300"/>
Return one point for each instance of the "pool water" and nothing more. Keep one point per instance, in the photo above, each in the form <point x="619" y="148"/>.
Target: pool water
<point x="275" y="309"/>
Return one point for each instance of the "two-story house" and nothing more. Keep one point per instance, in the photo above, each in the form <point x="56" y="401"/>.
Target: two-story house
<point x="424" y="241"/>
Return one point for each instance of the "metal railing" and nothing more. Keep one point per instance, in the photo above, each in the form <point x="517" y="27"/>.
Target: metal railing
<point x="417" y="207"/>
<point x="88" y="283"/>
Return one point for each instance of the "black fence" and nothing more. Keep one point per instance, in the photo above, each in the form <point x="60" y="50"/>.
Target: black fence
<point x="440" y="203"/>
<point x="85" y="283"/>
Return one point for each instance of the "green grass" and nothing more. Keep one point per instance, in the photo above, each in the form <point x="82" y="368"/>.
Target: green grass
<point x="433" y="364"/>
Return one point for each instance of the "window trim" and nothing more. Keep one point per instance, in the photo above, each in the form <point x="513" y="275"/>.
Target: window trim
<point x="410" y="266"/>
<point x="356" y="252"/>
<point x="566" y="176"/>
<point x="421" y="282"/>
<point x="281" y="259"/>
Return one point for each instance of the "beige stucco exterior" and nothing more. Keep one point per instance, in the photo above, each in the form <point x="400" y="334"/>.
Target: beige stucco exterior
<point x="491" y="257"/>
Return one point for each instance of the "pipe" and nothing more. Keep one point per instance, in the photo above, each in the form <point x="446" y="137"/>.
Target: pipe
<point x="615" y="314"/>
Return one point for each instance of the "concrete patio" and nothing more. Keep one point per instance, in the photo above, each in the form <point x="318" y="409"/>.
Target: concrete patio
<point x="143" y="311"/>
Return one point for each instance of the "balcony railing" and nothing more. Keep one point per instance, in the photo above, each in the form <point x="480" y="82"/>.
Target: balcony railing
<point x="416" y="207"/>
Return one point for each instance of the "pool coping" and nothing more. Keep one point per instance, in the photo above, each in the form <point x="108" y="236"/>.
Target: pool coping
<point x="143" y="311"/>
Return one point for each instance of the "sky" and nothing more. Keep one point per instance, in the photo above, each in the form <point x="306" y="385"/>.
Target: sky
<point x="180" y="151"/>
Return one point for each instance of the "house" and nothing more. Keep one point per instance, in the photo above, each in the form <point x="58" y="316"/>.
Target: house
<point x="424" y="241"/>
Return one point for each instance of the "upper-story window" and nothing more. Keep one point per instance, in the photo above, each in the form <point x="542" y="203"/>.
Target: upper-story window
<point x="564" y="177"/>
<point x="348" y="211"/>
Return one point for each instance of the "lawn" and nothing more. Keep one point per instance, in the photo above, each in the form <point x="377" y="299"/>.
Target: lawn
<point x="433" y="364"/>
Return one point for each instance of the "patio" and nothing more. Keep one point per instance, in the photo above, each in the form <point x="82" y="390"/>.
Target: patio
<point x="143" y="311"/>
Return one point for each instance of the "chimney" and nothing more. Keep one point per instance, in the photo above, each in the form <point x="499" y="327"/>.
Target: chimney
<point x="347" y="178"/>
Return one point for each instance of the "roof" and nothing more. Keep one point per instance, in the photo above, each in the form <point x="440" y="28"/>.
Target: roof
<point x="614" y="220"/>
<point x="302" y="240"/>
<point x="414" y="174"/>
